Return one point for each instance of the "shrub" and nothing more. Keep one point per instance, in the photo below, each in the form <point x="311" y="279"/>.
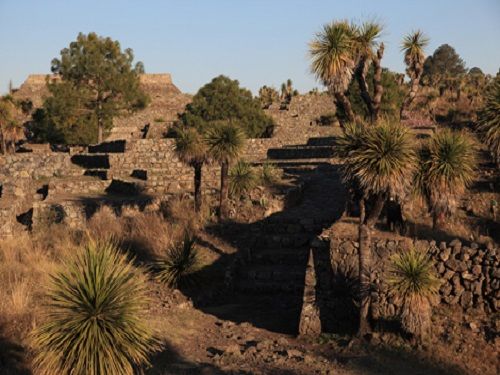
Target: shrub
<point x="412" y="278"/>
<point x="242" y="178"/>
<point x="270" y="174"/>
<point x="180" y="263"/>
<point x="95" y="316"/>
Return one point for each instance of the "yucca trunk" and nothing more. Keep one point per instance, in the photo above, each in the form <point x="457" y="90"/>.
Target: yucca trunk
<point x="344" y="102"/>
<point x="414" y="86"/>
<point x="197" y="186"/>
<point x="438" y="219"/>
<point x="416" y="316"/>
<point x="378" y="88"/>
<point x="361" y="74"/>
<point x="3" y="144"/>
<point x="224" y="189"/>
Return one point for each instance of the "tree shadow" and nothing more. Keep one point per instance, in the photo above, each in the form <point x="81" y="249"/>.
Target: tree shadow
<point x="12" y="357"/>
<point x="263" y="281"/>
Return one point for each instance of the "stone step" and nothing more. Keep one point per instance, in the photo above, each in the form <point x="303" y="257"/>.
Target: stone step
<point x="301" y="152"/>
<point x="102" y="174"/>
<point x="77" y="185"/>
<point x="126" y="186"/>
<point x="322" y="141"/>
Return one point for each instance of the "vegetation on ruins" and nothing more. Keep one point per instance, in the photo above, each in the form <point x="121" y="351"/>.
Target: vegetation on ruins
<point x="192" y="150"/>
<point x="447" y="167"/>
<point x="377" y="162"/>
<point x="10" y="129"/>
<point x="97" y="83"/>
<point x="489" y="122"/>
<point x="270" y="174"/>
<point x="413" y="46"/>
<point x="94" y="321"/>
<point x="178" y="266"/>
<point x="224" y="100"/>
<point x="225" y="142"/>
<point x="412" y="278"/>
<point x="268" y="96"/>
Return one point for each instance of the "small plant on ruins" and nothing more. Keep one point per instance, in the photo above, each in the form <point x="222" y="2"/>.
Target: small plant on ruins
<point x="192" y="150"/>
<point x="95" y="316"/>
<point x="268" y="96"/>
<point x="413" y="280"/>
<point x="489" y="122"/>
<point x="377" y="162"/>
<point x="447" y="165"/>
<point x="242" y="178"/>
<point x="225" y="142"/>
<point x="270" y="174"/>
<point x="180" y="263"/>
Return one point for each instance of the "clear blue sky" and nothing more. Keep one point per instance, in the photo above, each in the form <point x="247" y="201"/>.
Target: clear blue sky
<point x="257" y="42"/>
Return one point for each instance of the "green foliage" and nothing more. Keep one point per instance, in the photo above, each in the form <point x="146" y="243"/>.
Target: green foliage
<point x="413" y="46"/>
<point x="489" y="119"/>
<point x="412" y="273"/>
<point x="10" y="129"/>
<point x="378" y="158"/>
<point x="223" y="100"/>
<point x="180" y="263"/>
<point x="190" y="146"/>
<point x="225" y="141"/>
<point x="270" y="174"/>
<point x="392" y="96"/>
<point x="95" y="316"/>
<point x="447" y="165"/>
<point x="268" y="96"/>
<point x="332" y="55"/>
<point x="98" y="83"/>
<point x="242" y="178"/>
<point x="443" y="66"/>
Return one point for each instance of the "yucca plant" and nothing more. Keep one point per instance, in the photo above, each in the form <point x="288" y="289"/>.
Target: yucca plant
<point x="242" y="178"/>
<point x="412" y="279"/>
<point x="94" y="323"/>
<point x="225" y="142"/>
<point x="413" y="46"/>
<point x="489" y="120"/>
<point x="378" y="161"/>
<point x="180" y="264"/>
<point x="270" y="174"/>
<point x="447" y="165"/>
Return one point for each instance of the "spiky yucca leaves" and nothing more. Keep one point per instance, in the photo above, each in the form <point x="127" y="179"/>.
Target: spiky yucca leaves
<point x="242" y="178"/>
<point x="180" y="263"/>
<point x="332" y="55"/>
<point x="95" y="316"/>
<point x="380" y="158"/>
<point x="412" y="278"/>
<point x="489" y="122"/>
<point x="270" y="174"/>
<point x="448" y="163"/>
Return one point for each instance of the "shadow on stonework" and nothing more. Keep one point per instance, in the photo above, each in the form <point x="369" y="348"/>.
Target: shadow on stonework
<point x="263" y="281"/>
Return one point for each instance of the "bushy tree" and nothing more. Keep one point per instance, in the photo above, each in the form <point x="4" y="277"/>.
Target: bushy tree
<point x="97" y="83"/>
<point x="95" y="316"/>
<point x="443" y="68"/>
<point x="268" y="96"/>
<point x="489" y="120"/>
<point x="10" y="129"/>
<point x="224" y="100"/>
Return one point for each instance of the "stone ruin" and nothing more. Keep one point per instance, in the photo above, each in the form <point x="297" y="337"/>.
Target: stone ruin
<point x="136" y="165"/>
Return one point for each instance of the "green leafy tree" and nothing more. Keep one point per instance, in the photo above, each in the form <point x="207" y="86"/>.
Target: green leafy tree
<point x="192" y="150"/>
<point x="225" y="142"/>
<point x="98" y="83"/>
<point x="489" y="119"/>
<point x="413" y="49"/>
<point x="224" y="100"/>
<point x="377" y="162"/>
<point x="95" y="316"/>
<point x="447" y="166"/>
<point x="10" y="129"/>
<point x="443" y="68"/>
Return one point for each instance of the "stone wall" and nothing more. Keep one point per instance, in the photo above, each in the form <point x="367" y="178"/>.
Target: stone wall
<point x="469" y="275"/>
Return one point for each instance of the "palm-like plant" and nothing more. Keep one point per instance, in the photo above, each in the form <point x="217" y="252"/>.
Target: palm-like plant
<point x="192" y="150"/>
<point x="377" y="163"/>
<point x="369" y="50"/>
<point x="447" y="167"/>
<point x="180" y="263"/>
<point x="413" y="48"/>
<point x="225" y="141"/>
<point x="412" y="278"/>
<point x="242" y="178"/>
<point x="270" y="174"/>
<point x="489" y="122"/>
<point x="332" y="53"/>
<point x="95" y="316"/>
